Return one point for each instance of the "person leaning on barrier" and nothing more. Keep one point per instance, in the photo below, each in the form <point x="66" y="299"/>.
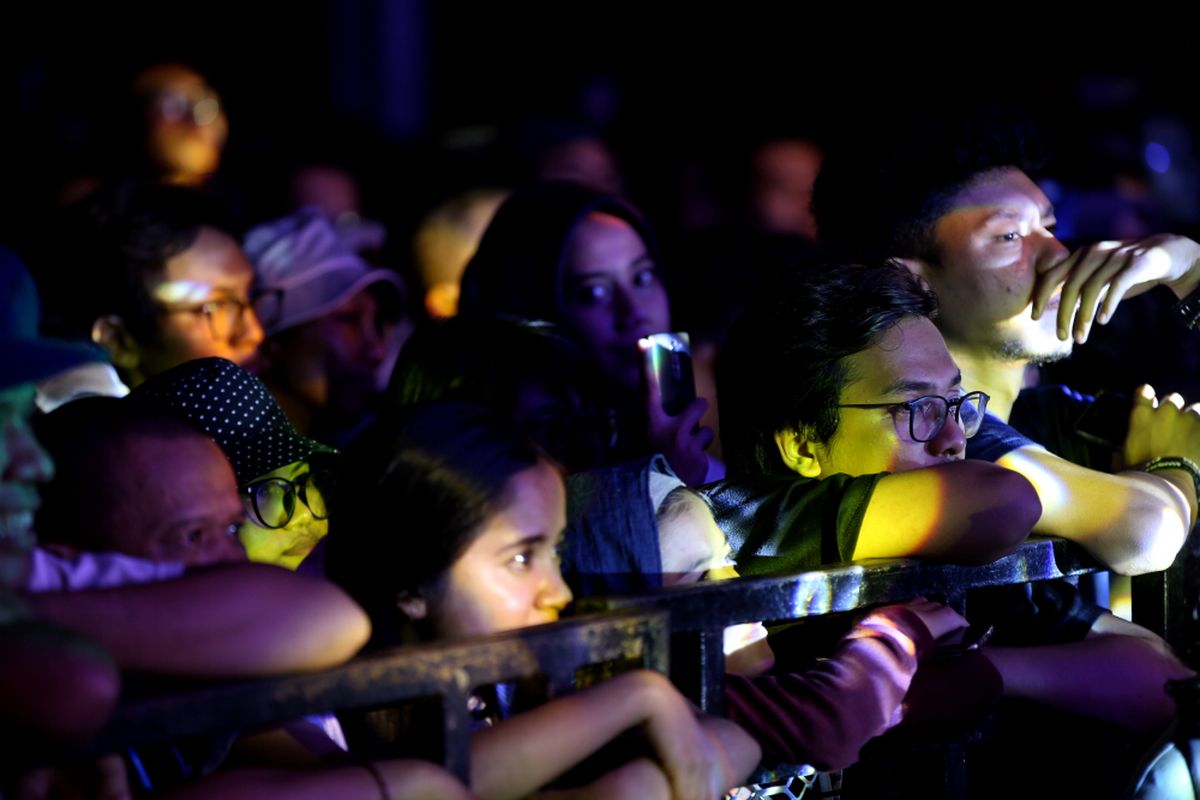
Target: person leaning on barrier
<point x="838" y="376"/>
<point x="951" y="199"/>
<point x="446" y="526"/>
<point x="56" y="686"/>
<point x="635" y="528"/>
<point x="855" y="482"/>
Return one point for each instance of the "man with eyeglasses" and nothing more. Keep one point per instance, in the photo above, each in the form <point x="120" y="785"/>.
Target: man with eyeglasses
<point x="146" y="273"/>
<point x="839" y="377"/>
<point x="56" y="686"/>
<point x="951" y="200"/>
<point x="845" y="427"/>
<point x="285" y="479"/>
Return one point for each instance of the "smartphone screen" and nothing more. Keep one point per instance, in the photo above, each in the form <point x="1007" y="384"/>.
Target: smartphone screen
<point x="669" y="356"/>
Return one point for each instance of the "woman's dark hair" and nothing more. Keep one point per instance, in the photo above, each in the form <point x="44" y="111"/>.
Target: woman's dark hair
<point x="500" y="363"/>
<point x="517" y="268"/>
<point x="413" y="493"/>
<point x="784" y="364"/>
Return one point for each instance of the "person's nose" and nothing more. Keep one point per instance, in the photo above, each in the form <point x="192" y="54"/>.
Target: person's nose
<point x="226" y="549"/>
<point x="250" y="330"/>
<point x="1050" y="249"/>
<point x="950" y="442"/>
<point x="555" y="594"/>
<point x="627" y="310"/>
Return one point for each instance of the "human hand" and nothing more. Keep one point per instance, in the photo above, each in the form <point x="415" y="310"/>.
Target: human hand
<point x="1161" y="427"/>
<point x="680" y="438"/>
<point x="1097" y="277"/>
<point x="940" y="620"/>
<point x="686" y="754"/>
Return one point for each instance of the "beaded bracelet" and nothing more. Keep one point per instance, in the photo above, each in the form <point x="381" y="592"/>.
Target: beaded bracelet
<point x="1176" y="462"/>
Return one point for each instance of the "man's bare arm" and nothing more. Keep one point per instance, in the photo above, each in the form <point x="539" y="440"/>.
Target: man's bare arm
<point x="967" y="511"/>
<point x="1133" y="521"/>
<point x="237" y="620"/>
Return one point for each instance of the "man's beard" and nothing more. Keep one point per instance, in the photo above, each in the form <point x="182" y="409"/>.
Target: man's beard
<point x="1015" y="350"/>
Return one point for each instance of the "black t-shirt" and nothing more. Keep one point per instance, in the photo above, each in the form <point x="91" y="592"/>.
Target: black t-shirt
<point x="785" y="523"/>
<point x="1048" y="414"/>
<point x="995" y="439"/>
<point x="1043" y="612"/>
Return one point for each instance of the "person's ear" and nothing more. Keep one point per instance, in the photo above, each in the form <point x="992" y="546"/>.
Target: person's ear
<point x="412" y="606"/>
<point x="111" y="334"/>
<point x="918" y="267"/>
<point x="799" y="452"/>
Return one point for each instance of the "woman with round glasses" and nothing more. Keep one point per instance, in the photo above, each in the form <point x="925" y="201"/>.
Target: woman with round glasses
<point x="285" y="479"/>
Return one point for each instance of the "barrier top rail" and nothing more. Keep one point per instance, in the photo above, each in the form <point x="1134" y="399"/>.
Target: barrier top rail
<point x="700" y="612"/>
<point x="449" y="671"/>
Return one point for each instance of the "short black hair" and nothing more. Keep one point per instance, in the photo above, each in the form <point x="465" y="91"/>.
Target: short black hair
<point x="784" y="364"/>
<point x="878" y="195"/>
<point x="109" y="245"/>
<point x="84" y="439"/>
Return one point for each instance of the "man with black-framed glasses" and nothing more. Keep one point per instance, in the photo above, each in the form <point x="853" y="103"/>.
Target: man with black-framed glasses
<point x="845" y="428"/>
<point x="148" y="274"/>
<point x="839" y="375"/>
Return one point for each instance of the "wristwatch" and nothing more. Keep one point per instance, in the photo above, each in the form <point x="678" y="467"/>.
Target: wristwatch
<point x="1189" y="309"/>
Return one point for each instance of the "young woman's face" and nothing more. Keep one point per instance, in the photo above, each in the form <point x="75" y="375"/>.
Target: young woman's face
<point x="613" y="294"/>
<point x="289" y="545"/>
<point x="508" y="578"/>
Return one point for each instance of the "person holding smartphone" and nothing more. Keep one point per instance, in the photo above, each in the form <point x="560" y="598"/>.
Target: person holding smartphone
<point x="588" y="262"/>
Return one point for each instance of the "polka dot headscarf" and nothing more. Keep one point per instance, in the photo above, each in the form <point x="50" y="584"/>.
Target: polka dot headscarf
<point x="236" y="410"/>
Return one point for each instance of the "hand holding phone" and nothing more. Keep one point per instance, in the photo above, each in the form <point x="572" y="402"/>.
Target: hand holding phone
<point x="673" y="411"/>
<point x="669" y="369"/>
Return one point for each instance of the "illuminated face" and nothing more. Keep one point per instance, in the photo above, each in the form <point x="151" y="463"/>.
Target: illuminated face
<point x="286" y="546"/>
<point x="213" y="269"/>
<point x="23" y="465"/>
<point x="907" y="361"/>
<point x="998" y="231"/>
<point x="784" y="174"/>
<point x="508" y="577"/>
<point x="186" y="123"/>
<point x="613" y="295"/>
<point x="337" y="358"/>
<point x="172" y="499"/>
<point x="694" y="549"/>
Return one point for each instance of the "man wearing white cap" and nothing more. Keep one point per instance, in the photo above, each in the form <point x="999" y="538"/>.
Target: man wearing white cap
<point x="338" y="327"/>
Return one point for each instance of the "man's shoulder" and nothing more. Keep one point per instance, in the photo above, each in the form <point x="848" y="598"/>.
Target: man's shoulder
<point x="995" y="439"/>
<point x="1048" y="415"/>
<point x="778" y="522"/>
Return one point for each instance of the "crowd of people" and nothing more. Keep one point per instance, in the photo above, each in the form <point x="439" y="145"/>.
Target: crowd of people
<point x="235" y="448"/>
